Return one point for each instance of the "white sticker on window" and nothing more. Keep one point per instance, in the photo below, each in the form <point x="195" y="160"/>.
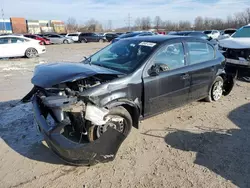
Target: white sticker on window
<point x="149" y="44"/>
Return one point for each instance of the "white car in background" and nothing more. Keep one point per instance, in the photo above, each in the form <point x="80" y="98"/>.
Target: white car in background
<point x="73" y="36"/>
<point x="214" y="34"/>
<point x="18" y="46"/>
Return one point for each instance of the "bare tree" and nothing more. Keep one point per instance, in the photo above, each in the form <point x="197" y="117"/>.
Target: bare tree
<point x="71" y="25"/>
<point x="184" y="25"/>
<point x="146" y="23"/>
<point x="138" y="24"/>
<point x="198" y="23"/>
<point x="93" y="25"/>
<point x="158" y="22"/>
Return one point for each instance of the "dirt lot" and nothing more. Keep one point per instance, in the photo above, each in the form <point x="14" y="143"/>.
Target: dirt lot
<point x="198" y="145"/>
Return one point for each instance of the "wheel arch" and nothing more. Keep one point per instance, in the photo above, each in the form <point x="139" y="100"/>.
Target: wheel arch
<point x="131" y="106"/>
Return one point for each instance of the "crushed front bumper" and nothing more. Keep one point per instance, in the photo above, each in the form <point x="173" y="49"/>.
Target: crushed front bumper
<point x="103" y="149"/>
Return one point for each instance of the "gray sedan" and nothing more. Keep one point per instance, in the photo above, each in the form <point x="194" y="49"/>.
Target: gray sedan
<point x="58" y="39"/>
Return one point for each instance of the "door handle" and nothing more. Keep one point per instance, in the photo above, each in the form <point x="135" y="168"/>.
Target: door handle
<point x="185" y="76"/>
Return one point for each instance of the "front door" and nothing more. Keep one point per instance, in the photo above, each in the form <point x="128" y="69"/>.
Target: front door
<point x="169" y="88"/>
<point x="203" y="66"/>
<point x="3" y="45"/>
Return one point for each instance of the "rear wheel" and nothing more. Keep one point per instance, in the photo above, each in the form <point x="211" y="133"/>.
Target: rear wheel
<point x="101" y="40"/>
<point x="119" y="119"/>
<point x="65" y="42"/>
<point x="31" y="53"/>
<point x="216" y="91"/>
<point x="83" y="41"/>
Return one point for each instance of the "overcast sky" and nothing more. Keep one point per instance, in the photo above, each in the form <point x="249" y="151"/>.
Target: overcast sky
<point x="117" y="10"/>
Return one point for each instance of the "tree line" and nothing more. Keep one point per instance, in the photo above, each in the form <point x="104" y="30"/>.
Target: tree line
<point x="145" y="23"/>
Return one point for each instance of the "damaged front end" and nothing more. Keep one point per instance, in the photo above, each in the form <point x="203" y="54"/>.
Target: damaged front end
<point x="60" y="137"/>
<point x="68" y="120"/>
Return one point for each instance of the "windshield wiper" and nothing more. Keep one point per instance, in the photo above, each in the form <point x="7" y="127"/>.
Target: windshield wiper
<point x="88" y="59"/>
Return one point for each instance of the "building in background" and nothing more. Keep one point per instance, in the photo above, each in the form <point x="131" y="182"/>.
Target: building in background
<point x="45" y="26"/>
<point x="58" y="25"/>
<point x="19" y="25"/>
<point x="5" y="26"/>
<point x="33" y="26"/>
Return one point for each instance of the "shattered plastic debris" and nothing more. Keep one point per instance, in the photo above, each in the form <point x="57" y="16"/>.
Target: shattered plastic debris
<point x="95" y="115"/>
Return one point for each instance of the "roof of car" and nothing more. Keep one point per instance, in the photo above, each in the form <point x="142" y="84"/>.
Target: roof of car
<point x="156" y="38"/>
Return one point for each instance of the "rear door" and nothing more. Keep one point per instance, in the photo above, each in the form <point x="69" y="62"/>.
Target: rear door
<point x="169" y="88"/>
<point x="203" y="68"/>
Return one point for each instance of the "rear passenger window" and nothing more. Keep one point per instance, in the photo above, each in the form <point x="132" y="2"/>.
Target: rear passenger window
<point x="17" y="40"/>
<point x="200" y="52"/>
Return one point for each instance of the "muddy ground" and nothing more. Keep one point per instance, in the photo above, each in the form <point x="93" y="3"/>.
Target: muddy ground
<point x="199" y="145"/>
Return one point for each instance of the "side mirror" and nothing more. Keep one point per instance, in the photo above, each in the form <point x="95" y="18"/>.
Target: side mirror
<point x="154" y="70"/>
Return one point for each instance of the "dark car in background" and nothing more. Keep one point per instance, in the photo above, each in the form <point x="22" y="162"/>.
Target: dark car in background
<point x="86" y="110"/>
<point x="91" y="37"/>
<point x="110" y="36"/>
<point x="197" y="34"/>
<point x="44" y="41"/>
<point x="132" y="34"/>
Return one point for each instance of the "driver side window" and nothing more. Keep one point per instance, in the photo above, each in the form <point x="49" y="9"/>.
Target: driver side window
<point x="170" y="57"/>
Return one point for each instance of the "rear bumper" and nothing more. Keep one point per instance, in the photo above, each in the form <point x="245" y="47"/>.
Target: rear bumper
<point x="103" y="149"/>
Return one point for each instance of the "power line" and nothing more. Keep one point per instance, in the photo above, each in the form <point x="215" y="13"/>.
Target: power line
<point x="128" y="21"/>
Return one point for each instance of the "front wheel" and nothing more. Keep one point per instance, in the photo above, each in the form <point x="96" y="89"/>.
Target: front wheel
<point x="118" y="118"/>
<point x="216" y="91"/>
<point x="31" y="53"/>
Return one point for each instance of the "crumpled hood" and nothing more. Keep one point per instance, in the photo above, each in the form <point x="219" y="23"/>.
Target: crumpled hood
<point x="48" y="75"/>
<point x="235" y="43"/>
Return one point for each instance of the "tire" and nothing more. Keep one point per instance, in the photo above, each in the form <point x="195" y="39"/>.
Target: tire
<point x="65" y="42"/>
<point x="31" y="53"/>
<point x="117" y="112"/>
<point x="83" y="41"/>
<point x="216" y="90"/>
<point x="101" y="40"/>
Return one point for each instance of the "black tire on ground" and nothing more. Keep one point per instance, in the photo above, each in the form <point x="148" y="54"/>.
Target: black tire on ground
<point x="217" y="83"/>
<point x="31" y="53"/>
<point x="116" y="111"/>
<point x="65" y="42"/>
<point x="101" y="40"/>
<point x="83" y="41"/>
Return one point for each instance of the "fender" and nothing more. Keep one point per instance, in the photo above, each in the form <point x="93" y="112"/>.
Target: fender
<point x="133" y="108"/>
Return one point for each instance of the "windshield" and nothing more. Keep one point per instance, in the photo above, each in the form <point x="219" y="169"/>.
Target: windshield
<point x="242" y="32"/>
<point x="207" y="32"/>
<point x="124" y="56"/>
<point x="229" y="32"/>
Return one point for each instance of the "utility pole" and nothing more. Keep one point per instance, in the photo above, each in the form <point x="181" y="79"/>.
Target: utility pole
<point x="4" y="26"/>
<point x="129" y="22"/>
<point x="2" y="11"/>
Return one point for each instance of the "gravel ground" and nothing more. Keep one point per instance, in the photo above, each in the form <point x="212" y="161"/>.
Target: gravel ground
<point x="199" y="145"/>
